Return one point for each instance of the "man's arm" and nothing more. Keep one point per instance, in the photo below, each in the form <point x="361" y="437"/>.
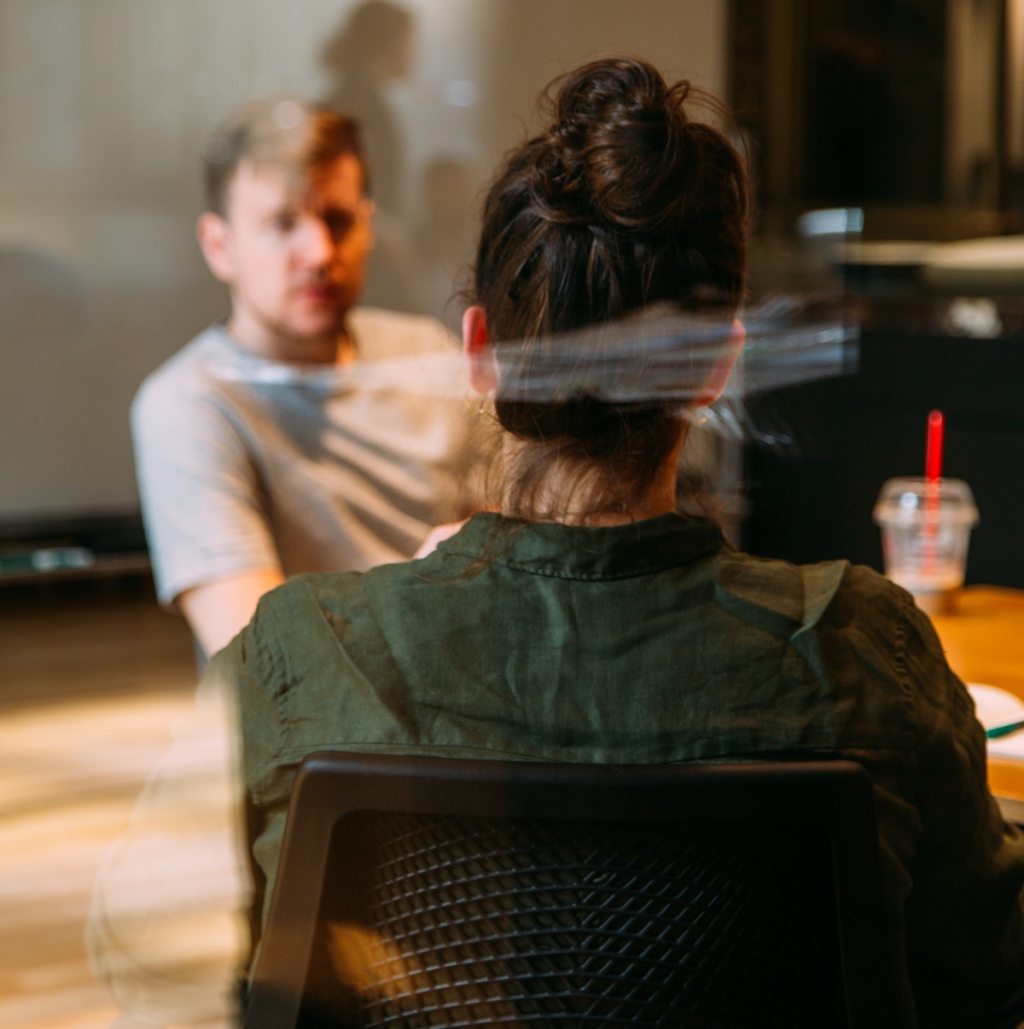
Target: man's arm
<point x="205" y="508"/>
<point x="217" y="611"/>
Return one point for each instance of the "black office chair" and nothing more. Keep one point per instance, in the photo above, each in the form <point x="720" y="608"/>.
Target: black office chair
<point x="417" y="891"/>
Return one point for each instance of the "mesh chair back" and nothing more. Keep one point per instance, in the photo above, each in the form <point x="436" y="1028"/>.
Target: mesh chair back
<point x="427" y="892"/>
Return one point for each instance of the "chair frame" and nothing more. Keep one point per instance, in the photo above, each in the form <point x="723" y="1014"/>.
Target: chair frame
<point x="835" y="795"/>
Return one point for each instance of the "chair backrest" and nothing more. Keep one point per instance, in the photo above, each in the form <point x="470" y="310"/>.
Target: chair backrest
<point x="427" y="891"/>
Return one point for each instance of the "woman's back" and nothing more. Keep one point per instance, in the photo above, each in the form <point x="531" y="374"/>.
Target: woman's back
<point x="650" y="642"/>
<point x="646" y="643"/>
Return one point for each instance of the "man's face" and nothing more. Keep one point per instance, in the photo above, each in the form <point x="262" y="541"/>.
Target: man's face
<point x="293" y="250"/>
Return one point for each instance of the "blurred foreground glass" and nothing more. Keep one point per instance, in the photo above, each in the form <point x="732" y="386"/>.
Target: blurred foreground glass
<point x="926" y="524"/>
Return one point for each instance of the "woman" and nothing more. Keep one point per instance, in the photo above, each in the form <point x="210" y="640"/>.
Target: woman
<point x="588" y="621"/>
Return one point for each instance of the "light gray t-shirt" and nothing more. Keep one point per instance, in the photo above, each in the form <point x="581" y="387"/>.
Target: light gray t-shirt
<point x="245" y="463"/>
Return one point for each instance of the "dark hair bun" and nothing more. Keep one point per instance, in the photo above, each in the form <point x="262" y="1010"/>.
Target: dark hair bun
<point x="615" y="144"/>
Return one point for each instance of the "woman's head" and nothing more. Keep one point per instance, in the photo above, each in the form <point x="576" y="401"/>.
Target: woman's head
<point x="624" y="201"/>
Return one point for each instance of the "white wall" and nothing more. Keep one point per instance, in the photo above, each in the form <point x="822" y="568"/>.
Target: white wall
<point x="104" y="108"/>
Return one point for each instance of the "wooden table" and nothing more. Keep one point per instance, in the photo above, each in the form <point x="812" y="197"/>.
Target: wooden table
<point x="984" y="642"/>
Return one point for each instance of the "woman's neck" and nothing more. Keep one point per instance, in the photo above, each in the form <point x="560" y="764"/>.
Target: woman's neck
<point x="566" y="491"/>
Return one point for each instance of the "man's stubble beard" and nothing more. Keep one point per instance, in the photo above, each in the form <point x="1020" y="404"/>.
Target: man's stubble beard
<point x="283" y="336"/>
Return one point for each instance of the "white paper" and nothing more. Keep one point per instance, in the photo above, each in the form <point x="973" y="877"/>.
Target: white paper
<point x="995" y="707"/>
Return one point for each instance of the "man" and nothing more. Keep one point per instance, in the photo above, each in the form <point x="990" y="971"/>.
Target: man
<point x="303" y="434"/>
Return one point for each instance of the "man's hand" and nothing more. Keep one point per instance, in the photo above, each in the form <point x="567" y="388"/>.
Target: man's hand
<point x="217" y="611"/>
<point x="438" y="534"/>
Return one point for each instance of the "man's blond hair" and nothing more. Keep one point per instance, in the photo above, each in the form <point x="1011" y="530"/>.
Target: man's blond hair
<point x="289" y="133"/>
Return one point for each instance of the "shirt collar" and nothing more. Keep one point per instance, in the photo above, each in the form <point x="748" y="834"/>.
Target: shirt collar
<point x="232" y="362"/>
<point x="585" y="552"/>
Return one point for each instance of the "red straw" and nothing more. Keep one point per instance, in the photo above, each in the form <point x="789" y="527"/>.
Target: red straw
<point x="932" y="474"/>
<point x="933" y="449"/>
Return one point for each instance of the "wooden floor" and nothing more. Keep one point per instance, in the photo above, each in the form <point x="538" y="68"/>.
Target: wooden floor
<point x="93" y="679"/>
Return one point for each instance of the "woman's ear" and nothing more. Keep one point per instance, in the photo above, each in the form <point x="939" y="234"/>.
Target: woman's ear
<point x="480" y="365"/>
<point x="722" y="368"/>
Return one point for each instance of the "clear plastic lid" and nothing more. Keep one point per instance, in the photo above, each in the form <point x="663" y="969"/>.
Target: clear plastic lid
<point x="905" y="501"/>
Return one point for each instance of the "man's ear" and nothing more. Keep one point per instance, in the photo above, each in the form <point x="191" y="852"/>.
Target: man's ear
<point x="722" y="368"/>
<point x="213" y="232"/>
<point x="480" y="366"/>
<point x="371" y="224"/>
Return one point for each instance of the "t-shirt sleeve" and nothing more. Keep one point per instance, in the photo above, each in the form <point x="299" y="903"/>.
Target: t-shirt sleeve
<point x="965" y="928"/>
<point x="202" y="502"/>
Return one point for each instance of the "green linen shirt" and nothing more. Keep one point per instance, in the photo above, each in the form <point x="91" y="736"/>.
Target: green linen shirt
<point x="655" y="642"/>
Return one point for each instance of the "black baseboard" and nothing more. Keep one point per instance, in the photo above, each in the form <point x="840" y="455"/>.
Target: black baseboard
<point x="93" y="544"/>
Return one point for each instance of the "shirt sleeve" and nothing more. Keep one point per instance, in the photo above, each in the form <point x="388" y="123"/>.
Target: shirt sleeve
<point x="250" y="669"/>
<point x="204" y="507"/>
<point x="965" y="930"/>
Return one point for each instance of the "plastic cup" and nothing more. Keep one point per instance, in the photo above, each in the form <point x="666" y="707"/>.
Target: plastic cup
<point x="926" y="525"/>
